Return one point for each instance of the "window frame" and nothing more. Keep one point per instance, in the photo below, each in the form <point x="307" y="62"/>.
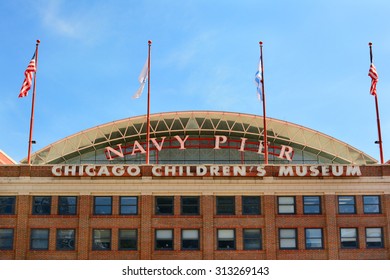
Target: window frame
<point x="219" y="204"/>
<point x="250" y="205"/>
<point x="183" y="205"/>
<point x="318" y="205"/>
<point x="121" y="204"/>
<point x="11" y="238"/>
<point x="370" y="204"/>
<point x="356" y="238"/>
<point x="321" y="238"/>
<point x="346" y="212"/>
<point x="120" y="239"/>
<point x="258" y="238"/>
<point x="223" y="248"/>
<point x="47" y="239"/>
<point x="95" y="238"/>
<point x="295" y="238"/>
<point x="184" y="248"/>
<point x="171" y="205"/>
<point x="294" y="203"/>
<point x="71" y="205"/>
<point x="96" y="206"/>
<point x="73" y="238"/>
<point x="171" y="239"/>
<point x="382" y="245"/>
<point x="6" y="205"/>
<point x="46" y="208"/>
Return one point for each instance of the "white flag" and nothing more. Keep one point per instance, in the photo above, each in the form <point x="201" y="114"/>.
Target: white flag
<point x="259" y="81"/>
<point x="143" y="76"/>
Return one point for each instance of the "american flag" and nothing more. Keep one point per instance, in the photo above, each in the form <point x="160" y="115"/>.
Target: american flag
<point x="31" y="68"/>
<point x="374" y="78"/>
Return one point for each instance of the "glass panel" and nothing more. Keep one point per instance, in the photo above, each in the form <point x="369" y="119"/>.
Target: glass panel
<point x="348" y="232"/>
<point x="6" y="239"/>
<point x="7" y="205"/>
<point x="286" y="200"/>
<point x="287" y="233"/>
<point x="371" y="199"/>
<point x="164" y="234"/>
<point x="41" y="205"/>
<point x="314" y="233"/>
<point x="127" y="233"/>
<point x="65" y="239"/>
<point x="225" y="233"/>
<point x="190" y="234"/>
<point x="286" y="209"/>
<point x="67" y="205"/>
<point x="287" y="243"/>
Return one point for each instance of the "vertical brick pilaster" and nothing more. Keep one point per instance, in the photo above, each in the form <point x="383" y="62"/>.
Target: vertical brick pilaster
<point x="146" y="234"/>
<point x="84" y="233"/>
<point x="22" y="242"/>
<point x="270" y="231"/>
<point x="330" y="206"/>
<point x="386" y="230"/>
<point x="208" y="234"/>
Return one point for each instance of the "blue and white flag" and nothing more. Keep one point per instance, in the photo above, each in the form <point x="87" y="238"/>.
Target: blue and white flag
<point x="259" y="81"/>
<point x="143" y="77"/>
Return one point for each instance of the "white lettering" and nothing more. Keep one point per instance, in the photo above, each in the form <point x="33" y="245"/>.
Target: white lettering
<point x="182" y="142"/>
<point x="156" y="171"/>
<point x="110" y="150"/>
<point x="325" y="170"/>
<point x="260" y="171"/>
<point x="286" y="171"/>
<point x="214" y="170"/>
<point x="301" y="170"/>
<point x="133" y="170"/>
<point x="243" y="141"/>
<point x="314" y="171"/>
<point x="353" y="171"/>
<point x="90" y="170"/>
<point x="118" y="170"/>
<point x="70" y="170"/>
<point x="103" y="171"/>
<point x="219" y="139"/>
<point x="201" y="170"/>
<point x="159" y="147"/>
<point x="285" y="152"/>
<point x="239" y="170"/>
<point x="137" y="148"/>
<point x="170" y="170"/>
<point x="56" y="170"/>
<point x="337" y="170"/>
<point x="226" y="170"/>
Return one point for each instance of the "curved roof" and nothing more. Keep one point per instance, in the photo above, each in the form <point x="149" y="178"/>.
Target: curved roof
<point x="201" y="123"/>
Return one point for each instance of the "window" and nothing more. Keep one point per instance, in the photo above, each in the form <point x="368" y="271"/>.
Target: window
<point x="127" y="239"/>
<point x="102" y="205"/>
<point x="372" y="204"/>
<point x="190" y="205"/>
<point x="7" y="205"/>
<point x="65" y="239"/>
<point x="312" y="205"/>
<point x="67" y="205"/>
<point x="286" y="205"/>
<point x="347" y="205"/>
<point x="226" y="239"/>
<point x="39" y="239"/>
<point x="128" y="205"/>
<point x="288" y="238"/>
<point x="374" y="238"/>
<point x="349" y="238"/>
<point x="313" y="238"/>
<point x="164" y="205"/>
<point x="41" y="205"/>
<point x="190" y="239"/>
<point x="101" y="239"/>
<point x="225" y="205"/>
<point x="6" y="238"/>
<point x="251" y="205"/>
<point x="252" y="239"/>
<point x="164" y="239"/>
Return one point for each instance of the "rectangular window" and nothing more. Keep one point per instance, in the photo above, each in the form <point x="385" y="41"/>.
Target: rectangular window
<point x="286" y="204"/>
<point x="374" y="238"/>
<point x="252" y="239"/>
<point x="190" y="239"/>
<point x="312" y="205"/>
<point x="102" y="205"/>
<point x="39" y="239"/>
<point x="65" y="239"/>
<point x="127" y="239"/>
<point x="6" y="238"/>
<point x="349" y="238"/>
<point x="288" y="238"/>
<point x="41" y="205"/>
<point x="67" y="205"/>
<point x="225" y="205"/>
<point x="313" y="237"/>
<point x="128" y="205"/>
<point x="226" y="239"/>
<point x="347" y="204"/>
<point x="190" y="205"/>
<point x="7" y="205"/>
<point x="164" y="205"/>
<point x="372" y="204"/>
<point x="251" y="205"/>
<point x="101" y="239"/>
<point x="164" y="239"/>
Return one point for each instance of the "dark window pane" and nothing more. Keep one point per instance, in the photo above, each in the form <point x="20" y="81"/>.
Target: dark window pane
<point x="101" y="239"/>
<point x="103" y="205"/>
<point x="128" y="239"/>
<point x="67" y="205"/>
<point x="313" y="238"/>
<point x="7" y="205"/>
<point x="190" y="239"/>
<point x="128" y="205"/>
<point x="312" y="205"/>
<point x="190" y="205"/>
<point x="226" y="205"/>
<point x="250" y="205"/>
<point x="6" y="239"/>
<point x="65" y="239"/>
<point x="374" y="238"/>
<point x="41" y="205"/>
<point x="252" y="239"/>
<point x="346" y="204"/>
<point x="164" y="205"/>
<point x="39" y="239"/>
<point x="164" y="239"/>
<point x="226" y="239"/>
<point x="371" y="204"/>
<point x="348" y="238"/>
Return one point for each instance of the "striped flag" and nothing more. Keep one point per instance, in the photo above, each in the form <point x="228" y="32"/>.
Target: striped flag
<point x="259" y="81"/>
<point x="374" y="78"/>
<point x="143" y="77"/>
<point x="31" y="68"/>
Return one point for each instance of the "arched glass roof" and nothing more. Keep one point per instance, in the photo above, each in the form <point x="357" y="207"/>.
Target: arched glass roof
<point x="309" y="146"/>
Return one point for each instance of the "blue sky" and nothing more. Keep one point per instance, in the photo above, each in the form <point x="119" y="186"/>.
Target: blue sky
<point x="204" y="57"/>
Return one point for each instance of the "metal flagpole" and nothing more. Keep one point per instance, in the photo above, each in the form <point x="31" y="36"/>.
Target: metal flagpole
<point x="30" y="141"/>
<point x="377" y="116"/>
<point x="148" y="109"/>
<point x="264" y="115"/>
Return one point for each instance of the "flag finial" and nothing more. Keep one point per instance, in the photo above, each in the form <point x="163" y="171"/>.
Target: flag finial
<point x="150" y="42"/>
<point x="370" y="44"/>
<point x="260" y="43"/>
<point x="38" y="41"/>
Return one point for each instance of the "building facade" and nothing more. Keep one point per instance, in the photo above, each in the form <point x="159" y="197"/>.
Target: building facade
<point x="205" y="195"/>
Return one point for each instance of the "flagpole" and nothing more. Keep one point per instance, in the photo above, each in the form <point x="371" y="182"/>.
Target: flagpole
<point x="264" y="114"/>
<point x="33" y="105"/>
<point x="148" y="108"/>
<point x="377" y="116"/>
